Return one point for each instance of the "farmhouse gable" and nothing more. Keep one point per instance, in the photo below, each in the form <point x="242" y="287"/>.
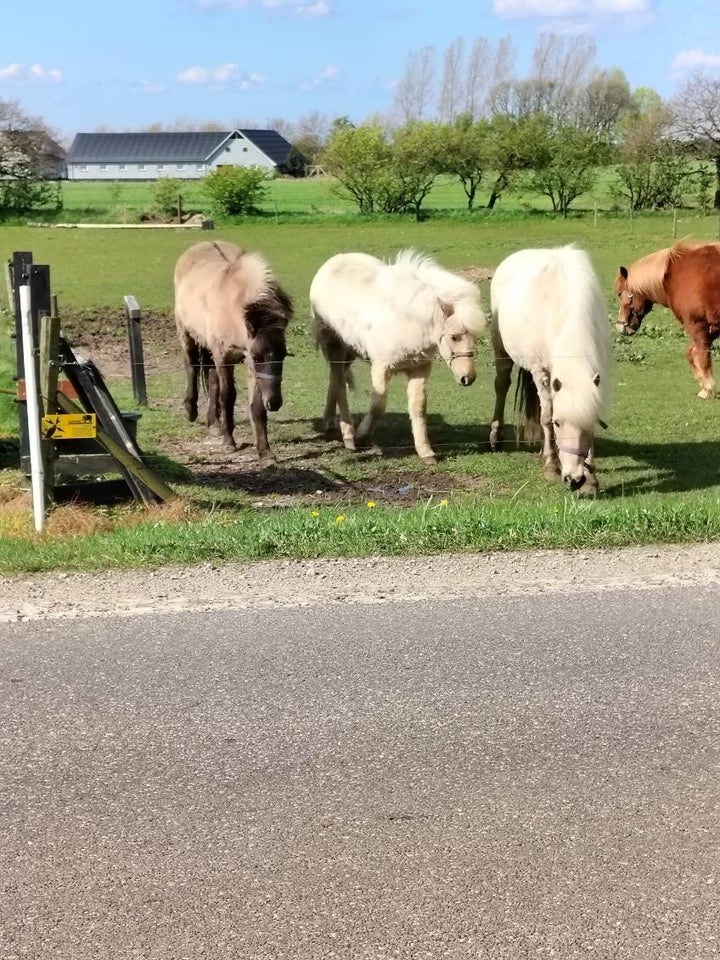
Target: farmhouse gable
<point x="185" y="156"/>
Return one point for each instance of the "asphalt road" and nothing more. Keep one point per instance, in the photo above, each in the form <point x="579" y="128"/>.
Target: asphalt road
<point x="499" y="778"/>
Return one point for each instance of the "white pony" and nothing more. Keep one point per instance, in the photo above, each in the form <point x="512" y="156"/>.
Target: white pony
<point x="398" y="316"/>
<point x="549" y="317"/>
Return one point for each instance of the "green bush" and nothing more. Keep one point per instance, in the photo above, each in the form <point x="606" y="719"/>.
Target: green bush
<point x="166" y="196"/>
<point x="234" y="191"/>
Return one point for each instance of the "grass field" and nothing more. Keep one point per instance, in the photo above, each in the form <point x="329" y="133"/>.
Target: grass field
<point x="659" y="461"/>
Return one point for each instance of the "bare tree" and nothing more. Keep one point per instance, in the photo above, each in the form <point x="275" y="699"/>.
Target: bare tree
<point x="603" y="101"/>
<point x="477" y="78"/>
<point x="697" y="119"/>
<point x="451" y="96"/>
<point x="501" y="78"/>
<point x="414" y="91"/>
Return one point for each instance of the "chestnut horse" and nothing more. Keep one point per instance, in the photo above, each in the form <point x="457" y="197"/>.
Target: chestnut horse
<point x="686" y="279"/>
<point x="229" y="309"/>
<point x="398" y="316"/>
<point x="549" y="317"/>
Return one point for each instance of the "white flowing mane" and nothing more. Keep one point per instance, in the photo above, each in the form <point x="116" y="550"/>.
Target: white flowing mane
<point x="568" y="332"/>
<point x="449" y="287"/>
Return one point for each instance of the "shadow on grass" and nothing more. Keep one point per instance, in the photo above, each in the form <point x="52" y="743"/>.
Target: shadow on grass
<point x="664" y="467"/>
<point x="393" y="437"/>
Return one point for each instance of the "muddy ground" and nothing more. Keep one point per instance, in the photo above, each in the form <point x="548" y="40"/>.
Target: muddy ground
<point x="304" y="472"/>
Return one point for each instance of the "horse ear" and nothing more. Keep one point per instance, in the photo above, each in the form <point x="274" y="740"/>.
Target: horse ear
<point x="556" y="384"/>
<point x="623" y="273"/>
<point x="596" y="379"/>
<point x="447" y="308"/>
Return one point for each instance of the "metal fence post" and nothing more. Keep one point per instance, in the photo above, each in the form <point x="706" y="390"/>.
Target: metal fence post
<point x="137" y="362"/>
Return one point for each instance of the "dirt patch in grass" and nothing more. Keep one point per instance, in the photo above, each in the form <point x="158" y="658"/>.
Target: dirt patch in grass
<point x="101" y="336"/>
<point x="300" y="476"/>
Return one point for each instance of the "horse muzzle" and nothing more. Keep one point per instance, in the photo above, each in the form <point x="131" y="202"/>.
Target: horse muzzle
<point x="467" y="379"/>
<point x="574" y="482"/>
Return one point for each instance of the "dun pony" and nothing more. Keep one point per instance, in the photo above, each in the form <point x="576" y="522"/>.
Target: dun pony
<point x="549" y="318"/>
<point x="229" y="309"/>
<point x="398" y="316"/>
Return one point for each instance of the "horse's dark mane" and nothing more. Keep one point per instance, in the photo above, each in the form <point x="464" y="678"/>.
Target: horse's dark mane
<point x="272" y="311"/>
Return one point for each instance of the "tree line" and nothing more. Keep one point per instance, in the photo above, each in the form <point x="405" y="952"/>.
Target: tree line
<point x="467" y="114"/>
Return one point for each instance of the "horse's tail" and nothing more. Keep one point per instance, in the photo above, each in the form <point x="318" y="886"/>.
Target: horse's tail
<point x="527" y="404"/>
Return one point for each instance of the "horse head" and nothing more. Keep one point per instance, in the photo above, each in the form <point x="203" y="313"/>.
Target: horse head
<point x="633" y="306"/>
<point x="265" y="321"/>
<point x="573" y="429"/>
<point x="456" y="346"/>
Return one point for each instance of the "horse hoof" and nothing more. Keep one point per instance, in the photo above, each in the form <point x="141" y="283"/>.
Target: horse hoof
<point x="191" y="411"/>
<point x="214" y="430"/>
<point x="588" y="489"/>
<point x="267" y="458"/>
<point x="430" y="461"/>
<point x="551" y="472"/>
<point x="229" y="446"/>
<point x="705" y="394"/>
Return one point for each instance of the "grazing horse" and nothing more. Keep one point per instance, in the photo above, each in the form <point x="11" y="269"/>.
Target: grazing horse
<point x="398" y="316"/>
<point x="229" y="309"/>
<point x="549" y="317"/>
<point x="685" y="278"/>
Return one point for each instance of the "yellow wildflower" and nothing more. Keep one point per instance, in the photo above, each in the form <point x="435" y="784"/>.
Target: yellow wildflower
<point x="370" y="504"/>
<point x="314" y="513"/>
<point x="340" y="518"/>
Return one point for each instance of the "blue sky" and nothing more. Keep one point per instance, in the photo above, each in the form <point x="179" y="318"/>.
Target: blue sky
<point x="129" y="63"/>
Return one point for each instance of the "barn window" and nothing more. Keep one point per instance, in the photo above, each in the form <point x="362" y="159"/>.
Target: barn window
<point x="161" y="166"/>
<point x="141" y="166"/>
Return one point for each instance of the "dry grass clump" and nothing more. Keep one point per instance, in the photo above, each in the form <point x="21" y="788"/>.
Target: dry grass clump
<point x="70" y="520"/>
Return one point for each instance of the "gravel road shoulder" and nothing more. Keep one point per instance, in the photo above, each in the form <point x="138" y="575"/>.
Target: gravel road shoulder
<point x="368" y="580"/>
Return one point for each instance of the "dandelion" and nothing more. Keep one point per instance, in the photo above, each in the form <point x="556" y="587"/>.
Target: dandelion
<point x="340" y="518"/>
<point x="370" y="504"/>
<point x="443" y="503"/>
<point x="314" y="513"/>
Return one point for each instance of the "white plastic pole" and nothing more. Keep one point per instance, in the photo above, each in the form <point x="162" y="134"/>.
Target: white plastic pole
<point x="37" y="470"/>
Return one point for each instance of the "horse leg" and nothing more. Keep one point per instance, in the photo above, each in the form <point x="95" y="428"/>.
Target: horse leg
<point x="379" y="376"/>
<point x="591" y="486"/>
<point x="551" y="462"/>
<point x="191" y="352"/>
<point x="503" y="374"/>
<point x="213" y="399"/>
<point x="258" y="420"/>
<point x="699" y="358"/>
<point x="417" y="408"/>
<point x="228" y="394"/>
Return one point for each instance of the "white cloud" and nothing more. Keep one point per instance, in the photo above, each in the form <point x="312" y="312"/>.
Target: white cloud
<point x="299" y="8"/>
<point x="36" y="72"/>
<point x="225" y="75"/>
<point x="148" y="88"/>
<point x="230" y="4"/>
<point x="519" y="9"/>
<point x="327" y="75"/>
<point x="694" y="61"/>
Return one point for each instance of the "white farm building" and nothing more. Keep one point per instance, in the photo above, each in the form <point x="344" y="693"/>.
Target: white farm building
<point x="186" y="156"/>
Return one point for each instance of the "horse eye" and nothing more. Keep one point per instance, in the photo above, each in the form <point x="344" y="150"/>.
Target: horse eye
<point x="454" y="337"/>
<point x="556" y="423"/>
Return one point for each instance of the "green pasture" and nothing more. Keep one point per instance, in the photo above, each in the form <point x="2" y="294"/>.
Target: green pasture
<point x="658" y="462"/>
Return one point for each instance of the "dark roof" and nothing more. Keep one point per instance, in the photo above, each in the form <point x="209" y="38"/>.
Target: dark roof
<point x="193" y="147"/>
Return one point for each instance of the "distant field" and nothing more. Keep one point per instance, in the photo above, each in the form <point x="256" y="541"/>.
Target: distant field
<point x="125" y="201"/>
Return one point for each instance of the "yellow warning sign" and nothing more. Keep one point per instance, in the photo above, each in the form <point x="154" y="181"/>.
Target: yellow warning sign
<point x="68" y="426"/>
